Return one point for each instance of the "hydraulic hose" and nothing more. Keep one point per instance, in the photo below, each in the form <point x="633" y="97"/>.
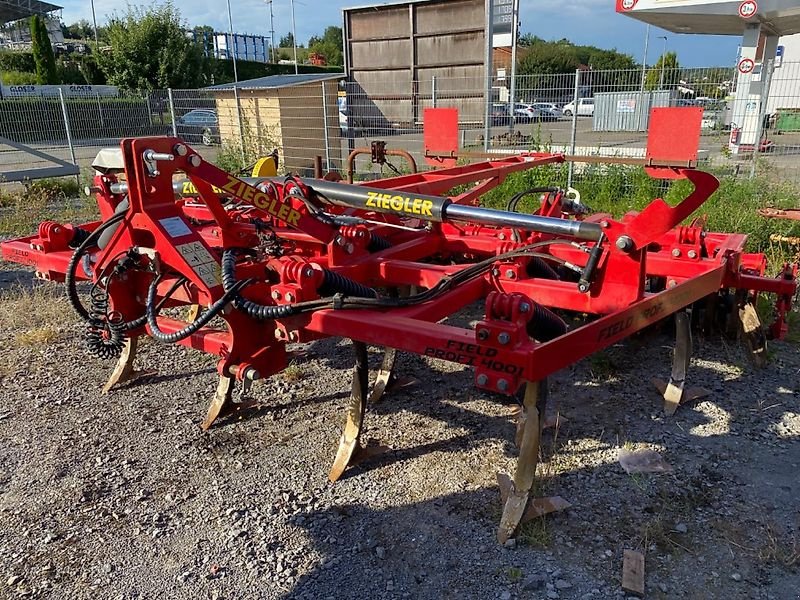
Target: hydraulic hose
<point x="262" y="312"/>
<point x="170" y="338"/>
<point x="69" y="278"/>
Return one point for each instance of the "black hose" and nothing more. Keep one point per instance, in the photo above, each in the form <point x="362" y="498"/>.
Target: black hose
<point x="69" y="278"/>
<point x="262" y="312"/>
<point x="78" y="237"/>
<point x="511" y="206"/>
<point x="152" y="313"/>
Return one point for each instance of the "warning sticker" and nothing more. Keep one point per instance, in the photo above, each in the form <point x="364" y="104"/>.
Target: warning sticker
<point x="175" y="227"/>
<point x="202" y="262"/>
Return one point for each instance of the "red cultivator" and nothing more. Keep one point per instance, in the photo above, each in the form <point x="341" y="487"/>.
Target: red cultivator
<point x="284" y="260"/>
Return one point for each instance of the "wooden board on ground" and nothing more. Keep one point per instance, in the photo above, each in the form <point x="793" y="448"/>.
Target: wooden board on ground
<point x="633" y="572"/>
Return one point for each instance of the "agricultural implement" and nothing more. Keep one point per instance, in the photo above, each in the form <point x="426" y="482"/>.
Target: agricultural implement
<point x="264" y="262"/>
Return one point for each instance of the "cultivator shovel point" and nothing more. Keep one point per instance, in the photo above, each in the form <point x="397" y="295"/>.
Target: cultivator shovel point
<point x="275" y="261"/>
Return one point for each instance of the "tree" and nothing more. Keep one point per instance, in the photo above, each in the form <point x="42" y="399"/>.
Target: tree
<point x="329" y="45"/>
<point x="665" y="74"/>
<point x="287" y="41"/>
<point x="149" y="49"/>
<point x="80" y="30"/>
<point x="549" y="58"/>
<point x="43" y="56"/>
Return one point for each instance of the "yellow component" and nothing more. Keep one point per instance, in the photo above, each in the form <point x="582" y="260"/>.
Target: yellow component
<point x="266" y="166"/>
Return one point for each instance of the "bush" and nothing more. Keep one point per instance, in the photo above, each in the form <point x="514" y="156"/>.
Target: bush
<point x="19" y="78"/>
<point x="16" y="61"/>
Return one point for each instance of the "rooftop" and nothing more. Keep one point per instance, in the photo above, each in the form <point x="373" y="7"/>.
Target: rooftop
<point x="14" y="10"/>
<point x="272" y="82"/>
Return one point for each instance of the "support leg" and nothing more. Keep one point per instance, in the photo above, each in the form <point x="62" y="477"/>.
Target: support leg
<point x="348" y="444"/>
<point x="517" y="501"/>
<point x="123" y="371"/>
<point x="222" y="401"/>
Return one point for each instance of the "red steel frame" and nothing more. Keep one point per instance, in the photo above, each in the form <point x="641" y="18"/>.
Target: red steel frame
<point x="695" y="265"/>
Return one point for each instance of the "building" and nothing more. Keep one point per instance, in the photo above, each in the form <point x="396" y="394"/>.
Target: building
<point x="297" y="114"/>
<point x="402" y="56"/>
<point x="15" y="22"/>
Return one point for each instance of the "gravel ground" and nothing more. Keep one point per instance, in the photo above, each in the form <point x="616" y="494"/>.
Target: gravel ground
<point x="123" y="496"/>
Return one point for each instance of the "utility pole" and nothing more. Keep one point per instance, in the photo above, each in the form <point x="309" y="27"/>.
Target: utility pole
<point x="94" y="20"/>
<point x="639" y="111"/>
<point x="272" y="31"/>
<point x="294" y="39"/>
<point x="663" y="61"/>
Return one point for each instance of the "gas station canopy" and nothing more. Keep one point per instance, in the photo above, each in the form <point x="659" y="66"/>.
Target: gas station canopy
<point x="716" y="17"/>
<point x="14" y="10"/>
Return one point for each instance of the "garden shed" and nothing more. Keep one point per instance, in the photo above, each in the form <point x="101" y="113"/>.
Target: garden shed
<point x="297" y="114"/>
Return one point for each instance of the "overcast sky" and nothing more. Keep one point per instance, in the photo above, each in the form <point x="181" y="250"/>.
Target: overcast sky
<point x="582" y="21"/>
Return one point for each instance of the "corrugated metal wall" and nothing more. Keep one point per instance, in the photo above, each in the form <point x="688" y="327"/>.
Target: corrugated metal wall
<point x="393" y="52"/>
<point x="626" y="111"/>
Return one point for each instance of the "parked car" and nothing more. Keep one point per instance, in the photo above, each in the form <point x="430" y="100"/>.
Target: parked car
<point x="548" y="111"/>
<point x="585" y="108"/>
<point x="199" y="125"/>
<point x="526" y="113"/>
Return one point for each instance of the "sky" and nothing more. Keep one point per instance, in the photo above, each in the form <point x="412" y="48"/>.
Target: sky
<point x="593" y="22"/>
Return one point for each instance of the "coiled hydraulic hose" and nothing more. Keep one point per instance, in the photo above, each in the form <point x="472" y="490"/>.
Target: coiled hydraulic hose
<point x="378" y="243"/>
<point x="105" y="334"/>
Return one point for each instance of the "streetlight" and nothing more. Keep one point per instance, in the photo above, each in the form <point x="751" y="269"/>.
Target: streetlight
<point x="272" y="30"/>
<point x="294" y="39"/>
<point x="644" y="75"/>
<point x="663" y="61"/>
<point x="94" y="20"/>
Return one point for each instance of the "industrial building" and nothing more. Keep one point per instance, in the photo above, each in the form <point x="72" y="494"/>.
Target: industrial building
<point x="400" y="56"/>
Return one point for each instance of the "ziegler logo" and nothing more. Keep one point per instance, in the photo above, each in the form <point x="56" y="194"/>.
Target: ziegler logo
<point x="403" y="204"/>
<point x="279" y="210"/>
<point x="628" y="4"/>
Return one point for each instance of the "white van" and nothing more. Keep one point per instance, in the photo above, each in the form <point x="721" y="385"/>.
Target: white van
<point x="585" y="108"/>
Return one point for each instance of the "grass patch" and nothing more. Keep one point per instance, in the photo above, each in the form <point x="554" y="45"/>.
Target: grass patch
<point x="618" y="189"/>
<point x="33" y="317"/>
<point x="535" y="533"/>
<point x="49" y="199"/>
<point x="293" y="373"/>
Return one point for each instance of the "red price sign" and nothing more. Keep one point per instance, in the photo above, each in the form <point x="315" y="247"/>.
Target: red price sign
<point x="748" y="9"/>
<point x="746" y="65"/>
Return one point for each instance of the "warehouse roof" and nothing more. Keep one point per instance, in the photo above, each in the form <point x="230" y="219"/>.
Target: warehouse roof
<point x="14" y="10"/>
<point x="278" y="81"/>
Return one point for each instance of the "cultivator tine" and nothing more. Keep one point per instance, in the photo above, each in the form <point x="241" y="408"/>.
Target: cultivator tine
<point x="673" y="394"/>
<point x="517" y="501"/>
<point x="385" y="376"/>
<point x="755" y="342"/>
<point x="675" y="391"/>
<point x="124" y="371"/>
<point x="348" y="444"/>
<point x="222" y="401"/>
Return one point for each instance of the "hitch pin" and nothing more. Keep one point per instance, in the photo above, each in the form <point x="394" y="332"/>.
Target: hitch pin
<point x="151" y="157"/>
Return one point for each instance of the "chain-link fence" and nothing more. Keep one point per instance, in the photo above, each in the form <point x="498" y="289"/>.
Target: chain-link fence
<point x="752" y="130"/>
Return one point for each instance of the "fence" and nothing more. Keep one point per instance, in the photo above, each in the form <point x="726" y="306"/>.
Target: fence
<point x="587" y="112"/>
